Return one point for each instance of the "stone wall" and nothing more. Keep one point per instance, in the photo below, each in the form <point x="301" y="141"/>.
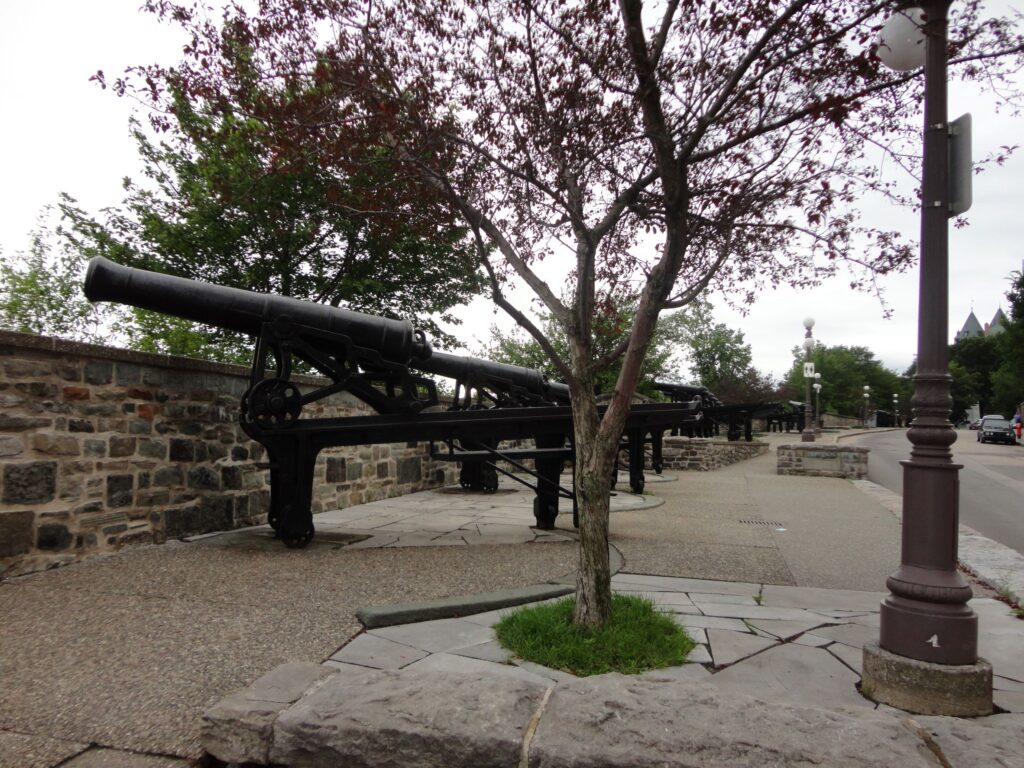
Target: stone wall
<point x="817" y="460"/>
<point x="703" y="454"/>
<point x="102" y="447"/>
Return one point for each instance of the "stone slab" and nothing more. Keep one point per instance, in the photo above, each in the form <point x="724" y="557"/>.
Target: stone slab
<point x="816" y="598"/>
<point x="674" y="584"/>
<point x="987" y="742"/>
<point x="429" y="719"/>
<point x="451" y="663"/>
<point x="368" y="650"/>
<point x="614" y="720"/>
<point x="730" y="611"/>
<point x="239" y="728"/>
<point x="728" y="647"/>
<point x="784" y="630"/>
<point x="490" y="651"/>
<point x="854" y="635"/>
<point x="709" y="622"/>
<point x="436" y="636"/>
<point x="796" y="674"/>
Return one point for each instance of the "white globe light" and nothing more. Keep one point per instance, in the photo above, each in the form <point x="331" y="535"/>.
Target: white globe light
<point x="809" y="323"/>
<point x="809" y="345"/>
<point x="901" y="42"/>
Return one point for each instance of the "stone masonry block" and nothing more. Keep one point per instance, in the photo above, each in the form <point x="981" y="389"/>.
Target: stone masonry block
<point x="16" y="532"/>
<point x="33" y="483"/>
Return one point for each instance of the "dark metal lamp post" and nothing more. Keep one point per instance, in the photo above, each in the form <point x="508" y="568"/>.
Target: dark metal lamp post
<point x="895" y="410"/>
<point x="807" y="436"/>
<point x="867" y="400"/>
<point x="817" y="404"/>
<point x="926" y="659"/>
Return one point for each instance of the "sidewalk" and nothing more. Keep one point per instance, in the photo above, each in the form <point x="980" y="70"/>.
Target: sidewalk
<point x="778" y="578"/>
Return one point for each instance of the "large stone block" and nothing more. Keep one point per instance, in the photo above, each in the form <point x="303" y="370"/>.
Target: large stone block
<point x="427" y="719"/>
<point x="33" y="483"/>
<point x="409" y="470"/>
<point x="16" y="532"/>
<point x="616" y="720"/>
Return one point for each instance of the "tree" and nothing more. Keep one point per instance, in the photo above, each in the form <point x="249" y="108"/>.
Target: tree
<point x="672" y="334"/>
<point x="686" y="146"/>
<point x="978" y="356"/>
<point x="41" y="290"/>
<point x="844" y="373"/>
<point x="1008" y="377"/>
<point x="220" y="202"/>
<point x="723" y="362"/>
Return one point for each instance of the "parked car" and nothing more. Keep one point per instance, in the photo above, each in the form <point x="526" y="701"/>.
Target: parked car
<point x="974" y="424"/>
<point x="996" y="429"/>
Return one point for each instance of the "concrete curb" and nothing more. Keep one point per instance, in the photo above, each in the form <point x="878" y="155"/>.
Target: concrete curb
<point x="467" y="605"/>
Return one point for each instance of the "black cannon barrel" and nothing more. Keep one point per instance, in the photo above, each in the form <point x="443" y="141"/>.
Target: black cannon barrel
<point x="463" y="368"/>
<point x="236" y="309"/>
<point x="689" y="390"/>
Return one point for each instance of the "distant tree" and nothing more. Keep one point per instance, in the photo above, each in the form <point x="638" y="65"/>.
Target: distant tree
<point x="978" y="356"/>
<point x="729" y="136"/>
<point x="41" y="290"/>
<point x="223" y="203"/>
<point x="722" y="361"/>
<point x="1008" y="377"/>
<point x="844" y="373"/>
<point x="611" y="325"/>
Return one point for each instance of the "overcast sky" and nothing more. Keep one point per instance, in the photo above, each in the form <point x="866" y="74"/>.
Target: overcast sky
<point x="60" y="132"/>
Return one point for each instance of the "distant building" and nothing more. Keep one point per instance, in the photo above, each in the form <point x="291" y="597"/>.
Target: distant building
<point x="972" y="328"/>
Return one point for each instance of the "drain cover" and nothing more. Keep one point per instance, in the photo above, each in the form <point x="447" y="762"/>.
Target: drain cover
<point x="772" y="523"/>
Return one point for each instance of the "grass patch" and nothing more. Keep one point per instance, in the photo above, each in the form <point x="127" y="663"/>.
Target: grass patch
<point x="637" y="638"/>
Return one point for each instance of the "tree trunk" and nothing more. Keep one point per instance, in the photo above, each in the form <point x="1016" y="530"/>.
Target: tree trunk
<point x="593" y="475"/>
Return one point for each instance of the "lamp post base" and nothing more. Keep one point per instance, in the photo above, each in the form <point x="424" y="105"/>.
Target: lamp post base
<point x="807" y="436"/>
<point x="924" y="688"/>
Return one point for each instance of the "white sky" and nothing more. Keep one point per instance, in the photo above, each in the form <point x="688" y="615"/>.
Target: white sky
<point x="62" y="133"/>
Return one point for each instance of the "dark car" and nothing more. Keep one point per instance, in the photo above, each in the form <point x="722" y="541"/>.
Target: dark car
<point x="996" y="429"/>
<point x="976" y="424"/>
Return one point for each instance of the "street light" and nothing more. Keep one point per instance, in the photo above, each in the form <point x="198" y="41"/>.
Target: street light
<point x="817" y="403"/>
<point x="807" y="436"/>
<point x="926" y="659"/>
<point x="867" y="397"/>
<point x="895" y="410"/>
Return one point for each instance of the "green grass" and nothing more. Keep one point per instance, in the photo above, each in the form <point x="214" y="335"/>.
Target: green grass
<point x="637" y="638"/>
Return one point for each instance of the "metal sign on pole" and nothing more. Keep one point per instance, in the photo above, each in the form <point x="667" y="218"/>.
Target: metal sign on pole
<point x="961" y="166"/>
<point x="808" y="370"/>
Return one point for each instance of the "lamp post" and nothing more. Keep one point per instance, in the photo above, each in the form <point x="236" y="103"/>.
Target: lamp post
<point x="867" y="397"/>
<point x="926" y="659"/>
<point x="807" y="436"/>
<point x="895" y="410"/>
<point x="817" y="404"/>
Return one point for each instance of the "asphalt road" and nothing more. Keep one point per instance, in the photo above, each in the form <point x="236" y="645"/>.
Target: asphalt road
<point x="991" y="481"/>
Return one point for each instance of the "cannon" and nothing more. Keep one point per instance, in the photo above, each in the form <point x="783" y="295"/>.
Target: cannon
<point x="382" y="362"/>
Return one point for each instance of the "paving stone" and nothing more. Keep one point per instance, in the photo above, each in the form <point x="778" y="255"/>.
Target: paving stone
<point x="699" y="654"/>
<point x="812" y="640"/>
<point x="1010" y="701"/>
<point x="369" y="650"/>
<point x="22" y="750"/>
<point x="784" y="630"/>
<point x="809" y="676"/>
<point x="709" y="622"/>
<point x="674" y="584"/>
<point x="436" y="636"/>
<point x="756" y="612"/>
<point x="660" y="599"/>
<point x="429" y="719"/>
<point x="490" y="618"/>
<point x="728" y="647"/>
<point x="490" y="651"/>
<point x="1001" y="683"/>
<point x="700" y="598"/>
<point x="852" y="657"/>
<point x="465" y="665"/>
<point x="853" y="635"/>
<point x="821" y="599"/>
<point x="985" y="742"/>
<point x="683" y="673"/>
<point x="616" y="720"/>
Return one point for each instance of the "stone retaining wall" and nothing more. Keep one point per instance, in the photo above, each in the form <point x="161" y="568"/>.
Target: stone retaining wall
<point x="817" y="460"/>
<point x="102" y="447"/>
<point x="703" y="454"/>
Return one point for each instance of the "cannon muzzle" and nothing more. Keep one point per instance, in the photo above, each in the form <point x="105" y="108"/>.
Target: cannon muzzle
<point x="498" y="375"/>
<point x="244" y="311"/>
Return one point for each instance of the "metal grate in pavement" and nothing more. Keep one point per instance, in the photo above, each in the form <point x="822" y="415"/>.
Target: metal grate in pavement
<point x="772" y="523"/>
